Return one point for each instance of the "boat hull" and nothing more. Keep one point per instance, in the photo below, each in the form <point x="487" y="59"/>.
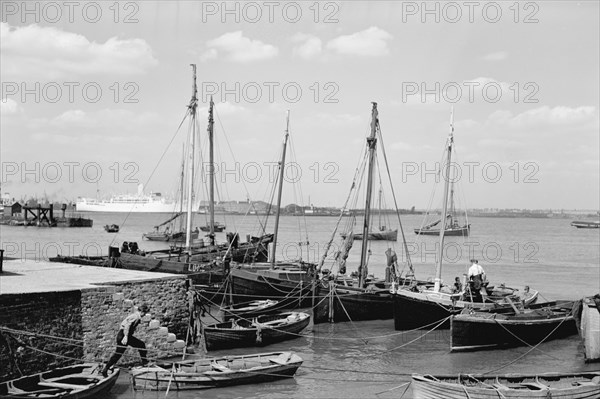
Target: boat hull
<point x="264" y="330"/>
<point x="470" y="333"/>
<point x="551" y="385"/>
<point x="250" y="310"/>
<point x="426" y="309"/>
<point x="292" y="288"/>
<point x="388" y="235"/>
<point x="217" y="372"/>
<point x="586" y="225"/>
<point x="346" y="304"/>
<point x="72" y="382"/>
<point x="458" y="231"/>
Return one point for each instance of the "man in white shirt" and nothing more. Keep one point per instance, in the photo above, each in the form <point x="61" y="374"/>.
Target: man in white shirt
<point x="125" y="338"/>
<point x="477" y="277"/>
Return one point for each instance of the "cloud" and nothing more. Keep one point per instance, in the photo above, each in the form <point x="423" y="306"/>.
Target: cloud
<point x="309" y="46"/>
<point x="209" y="54"/>
<point x="107" y="122"/>
<point x="546" y="116"/>
<point x="8" y="106"/>
<point x="497" y="56"/>
<point x="36" y="51"/>
<point x="239" y="48"/>
<point x="371" y="42"/>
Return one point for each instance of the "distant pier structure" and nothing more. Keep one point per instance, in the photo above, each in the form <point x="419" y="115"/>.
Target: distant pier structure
<point x="43" y="216"/>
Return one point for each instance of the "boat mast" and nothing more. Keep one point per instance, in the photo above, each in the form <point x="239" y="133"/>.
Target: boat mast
<point x="371" y="143"/>
<point x="182" y="182"/>
<point x="192" y="109"/>
<point x="379" y="205"/>
<point x="280" y="190"/>
<point x="211" y="168"/>
<point x="451" y="204"/>
<point x="438" y="269"/>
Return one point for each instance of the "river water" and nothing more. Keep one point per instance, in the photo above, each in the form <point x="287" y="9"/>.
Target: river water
<point x="370" y="359"/>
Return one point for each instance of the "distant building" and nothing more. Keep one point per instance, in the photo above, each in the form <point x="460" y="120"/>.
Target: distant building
<point x="15" y="209"/>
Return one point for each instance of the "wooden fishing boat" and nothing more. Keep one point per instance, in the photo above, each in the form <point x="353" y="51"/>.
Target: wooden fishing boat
<point x="260" y="331"/>
<point x="468" y="386"/>
<point x="217" y="227"/>
<point x="341" y="298"/>
<point x="452" y="229"/>
<point x="113" y="228"/>
<point x="487" y="330"/>
<point x="587" y="224"/>
<point x="339" y="303"/>
<point x="292" y="284"/>
<point x="249" y="310"/>
<point x="422" y="307"/>
<point x="72" y="382"/>
<point x="217" y="372"/>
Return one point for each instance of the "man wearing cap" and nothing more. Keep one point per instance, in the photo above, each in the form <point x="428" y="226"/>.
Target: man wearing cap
<point x="125" y="338"/>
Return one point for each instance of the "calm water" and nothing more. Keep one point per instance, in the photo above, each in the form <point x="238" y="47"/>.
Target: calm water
<point x="370" y="359"/>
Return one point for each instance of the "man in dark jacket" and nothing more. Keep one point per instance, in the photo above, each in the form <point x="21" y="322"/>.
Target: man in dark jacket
<point x="125" y="338"/>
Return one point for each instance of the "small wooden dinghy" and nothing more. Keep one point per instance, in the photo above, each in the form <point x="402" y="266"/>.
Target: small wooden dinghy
<point x="249" y="310"/>
<point x="263" y="330"/>
<point x="551" y="385"/>
<point x="73" y="382"/>
<point x="217" y="372"/>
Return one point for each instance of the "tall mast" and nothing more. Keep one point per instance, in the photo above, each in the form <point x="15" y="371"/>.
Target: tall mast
<point x="181" y="182"/>
<point x="438" y="268"/>
<point x="280" y="190"/>
<point x="371" y="143"/>
<point x="211" y="168"/>
<point x="192" y="109"/>
<point x="451" y="203"/>
<point x="379" y="206"/>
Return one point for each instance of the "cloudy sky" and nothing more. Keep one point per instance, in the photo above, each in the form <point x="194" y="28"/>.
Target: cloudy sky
<point x="93" y="94"/>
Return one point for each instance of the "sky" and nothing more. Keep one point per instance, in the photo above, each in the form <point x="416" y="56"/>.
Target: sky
<point x="93" y="94"/>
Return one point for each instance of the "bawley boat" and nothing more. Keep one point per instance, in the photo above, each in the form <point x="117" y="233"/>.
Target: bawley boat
<point x="469" y="386"/>
<point x="217" y="372"/>
<point x="73" y="382"/>
<point x="341" y="298"/>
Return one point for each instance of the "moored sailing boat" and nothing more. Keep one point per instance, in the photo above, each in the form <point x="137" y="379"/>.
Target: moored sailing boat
<point x="452" y="226"/>
<point x="291" y="283"/>
<point x="343" y="299"/>
<point x="383" y="234"/>
<point x="196" y="259"/>
<point x="204" y="263"/>
<point x="423" y="307"/>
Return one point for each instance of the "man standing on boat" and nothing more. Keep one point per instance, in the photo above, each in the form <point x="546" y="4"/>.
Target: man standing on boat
<point x="476" y="276"/>
<point x="125" y="338"/>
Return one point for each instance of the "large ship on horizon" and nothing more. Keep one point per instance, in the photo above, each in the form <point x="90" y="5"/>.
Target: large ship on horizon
<point x="137" y="203"/>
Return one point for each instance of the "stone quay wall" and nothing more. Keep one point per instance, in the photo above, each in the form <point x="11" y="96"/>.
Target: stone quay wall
<point x="56" y="314"/>
<point x="87" y="321"/>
